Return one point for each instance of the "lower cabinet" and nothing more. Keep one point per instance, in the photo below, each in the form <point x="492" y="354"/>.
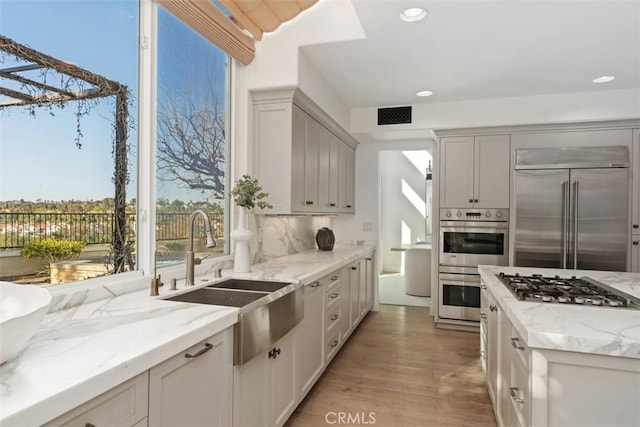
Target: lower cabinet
<point x="536" y="387"/>
<point x="193" y="388"/>
<point x="123" y="405"/>
<point x="264" y="390"/>
<point x="635" y="253"/>
<point x="309" y="335"/>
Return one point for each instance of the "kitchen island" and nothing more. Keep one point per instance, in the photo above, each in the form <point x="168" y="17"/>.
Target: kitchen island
<point x="554" y="364"/>
<point x="94" y="340"/>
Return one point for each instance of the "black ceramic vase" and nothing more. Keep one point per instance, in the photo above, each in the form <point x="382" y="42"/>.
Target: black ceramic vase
<point x="325" y="239"/>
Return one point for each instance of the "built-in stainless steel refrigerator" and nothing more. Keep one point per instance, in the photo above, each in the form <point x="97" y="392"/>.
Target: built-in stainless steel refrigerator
<point x="572" y="208"/>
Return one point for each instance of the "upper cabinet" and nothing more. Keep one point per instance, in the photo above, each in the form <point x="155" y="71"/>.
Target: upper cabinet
<point x="635" y="185"/>
<point x="302" y="158"/>
<point x="474" y="171"/>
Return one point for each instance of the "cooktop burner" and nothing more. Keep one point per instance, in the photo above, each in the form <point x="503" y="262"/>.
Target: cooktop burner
<point x="573" y="290"/>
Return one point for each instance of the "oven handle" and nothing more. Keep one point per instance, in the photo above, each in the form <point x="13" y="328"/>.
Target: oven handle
<point x="460" y="279"/>
<point x="464" y="225"/>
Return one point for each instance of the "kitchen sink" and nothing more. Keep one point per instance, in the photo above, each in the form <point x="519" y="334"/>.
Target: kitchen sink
<point x="250" y="285"/>
<point x="267" y="311"/>
<point x="216" y="296"/>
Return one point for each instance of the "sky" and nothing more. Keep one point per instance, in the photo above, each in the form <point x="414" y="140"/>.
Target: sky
<point x="38" y="155"/>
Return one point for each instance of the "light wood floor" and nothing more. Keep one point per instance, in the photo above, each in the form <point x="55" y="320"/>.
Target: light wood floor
<point x="405" y="372"/>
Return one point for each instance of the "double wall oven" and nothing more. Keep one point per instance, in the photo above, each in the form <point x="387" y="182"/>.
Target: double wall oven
<point x="468" y="238"/>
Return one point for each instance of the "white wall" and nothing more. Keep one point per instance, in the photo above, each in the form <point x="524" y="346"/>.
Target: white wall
<point x="552" y="108"/>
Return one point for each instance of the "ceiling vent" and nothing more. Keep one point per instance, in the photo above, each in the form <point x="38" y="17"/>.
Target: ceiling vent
<point x="394" y="116"/>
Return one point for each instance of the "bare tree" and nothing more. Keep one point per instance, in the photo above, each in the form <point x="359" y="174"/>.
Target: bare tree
<point x="191" y="144"/>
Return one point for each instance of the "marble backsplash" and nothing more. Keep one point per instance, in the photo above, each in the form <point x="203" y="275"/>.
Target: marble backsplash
<point x="277" y="236"/>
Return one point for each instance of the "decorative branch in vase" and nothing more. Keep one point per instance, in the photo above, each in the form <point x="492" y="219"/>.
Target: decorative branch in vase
<point x="247" y="194"/>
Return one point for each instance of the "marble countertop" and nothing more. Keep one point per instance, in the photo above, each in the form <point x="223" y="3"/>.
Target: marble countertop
<point x="583" y="329"/>
<point x="81" y="351"/>
<point x="406" y="246"/>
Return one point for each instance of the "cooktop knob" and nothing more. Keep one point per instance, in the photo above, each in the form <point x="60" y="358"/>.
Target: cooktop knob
<point x="498" y="214"/>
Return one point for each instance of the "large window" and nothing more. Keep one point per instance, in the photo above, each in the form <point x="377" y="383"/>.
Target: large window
<point x="191" y="141"/>
<point x="58" y="162"/>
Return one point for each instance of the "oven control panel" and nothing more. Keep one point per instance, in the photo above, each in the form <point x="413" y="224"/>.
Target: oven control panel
<point x="448" y="214"/>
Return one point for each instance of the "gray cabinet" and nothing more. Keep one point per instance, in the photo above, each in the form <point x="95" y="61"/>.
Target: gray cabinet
<point x="304" y="160"/>
<point x="310" y="339"/>
<point x="474" y="171"/>
<point x="635" y="203"/>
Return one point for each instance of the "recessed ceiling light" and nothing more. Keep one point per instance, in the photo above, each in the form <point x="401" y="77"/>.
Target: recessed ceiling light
<point x="424" y="93"/>
<point x="603" y="79"/>
<point x="413" y="14"/>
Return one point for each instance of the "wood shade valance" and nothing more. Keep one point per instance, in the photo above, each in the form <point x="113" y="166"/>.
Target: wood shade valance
<point x="255" y="16"/>
<point x="264" y="16"/>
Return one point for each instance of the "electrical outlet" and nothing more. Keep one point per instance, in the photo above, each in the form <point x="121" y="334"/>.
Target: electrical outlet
<point x="366" y="226"/>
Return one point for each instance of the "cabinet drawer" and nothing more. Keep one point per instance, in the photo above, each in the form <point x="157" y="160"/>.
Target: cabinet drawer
<point x="519" y="349"/>
<point x="333" y="319"/>
<point x="519" y="393"/>
<point x="332" y="344"/>
<point x="123" y="405"/>
<point x="333" y="296"/>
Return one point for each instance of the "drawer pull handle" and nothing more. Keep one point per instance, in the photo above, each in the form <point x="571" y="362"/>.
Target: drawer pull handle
<point x="89" y="425"/>
<point x="335" y="295"/>
<point x="206" y="348"/>
<point x="483" y="315"/>
<point x="334" y="317"/>
<point x="354" y="268"/>
<point x="333" y="343"/>
<point x="514" y="394"/>
<point x="315" y="284"/>
<point x="334" y="278"/>
<point x="514" y="344"/>
<point x="349" y="206"/>
<point x="274" y="352"/>
<point x="483" y="286"/>
<point x="493" y="307"/>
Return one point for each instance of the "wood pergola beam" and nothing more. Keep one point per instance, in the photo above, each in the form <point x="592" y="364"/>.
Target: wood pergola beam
<point x="17" y="95"/>
<point x="26" y="81"/>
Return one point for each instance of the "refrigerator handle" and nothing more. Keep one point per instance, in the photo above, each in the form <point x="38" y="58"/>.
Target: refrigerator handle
<point x="575" y="224"/>
<point x="565" y="221"/>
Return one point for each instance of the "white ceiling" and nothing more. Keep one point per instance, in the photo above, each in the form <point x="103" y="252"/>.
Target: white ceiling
<point x="475" y="49"/>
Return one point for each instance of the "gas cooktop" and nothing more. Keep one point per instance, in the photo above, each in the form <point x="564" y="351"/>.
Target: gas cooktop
<point x="572" y="290"/>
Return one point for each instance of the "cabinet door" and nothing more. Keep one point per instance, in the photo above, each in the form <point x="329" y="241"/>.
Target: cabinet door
<point x="347" y="324"/>
<point x="370" y="279"/>
<point x="194" y="388"/>
<point x="282" y="380"/>
<point x="354" y="285"/>
<point x="312" y="146"/>
<point x="324" y="166"/>
<point x="334" y="173"/>
<point x="635" y="185"/>
<point x="491" y="343"/>
<point x="298" y="147"/>
<point x="362" y="304"/>
<point x="456" y="172"/>
<point x="491" y="171"/>
<point x="504" y="368"/>
<point x="635" y="253"/>
<point x="310" y="340"/>
<point x="351" y="180"/>
<point x="250" y="391"/>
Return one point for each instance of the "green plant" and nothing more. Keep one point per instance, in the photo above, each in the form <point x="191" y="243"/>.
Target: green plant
<point x="52" y="250"/>
<point x="248" y="194"/>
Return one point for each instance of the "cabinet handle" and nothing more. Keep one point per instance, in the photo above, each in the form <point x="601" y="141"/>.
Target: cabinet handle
<point x="514" y="394"/>
<point x="206" y="348"/>
<point x="636" y="226"/>
<point x="470" y="200"/>
<point x="475" y="200"/>
<point x="332" y="205"/>
<point x="315" y="284"/>
<point x="333" y="343"/>
<point x="483" y="315"/>
<point x="493" y="307"/>
<point x="354" y="268"/>
<point x="335" y="295"/>
<point x="89" y="425"/>
<point x="334" y="278"/>
<point x="368" y="259"/>
<point x="635" y="242"/>
<point x="514" y="344"/>
<point x="349" y="206"/>
<point x="482" y="356"/>
<point x="274" y="352"/>
<point x="483" y="286"/>
<point x="334" y="317"/>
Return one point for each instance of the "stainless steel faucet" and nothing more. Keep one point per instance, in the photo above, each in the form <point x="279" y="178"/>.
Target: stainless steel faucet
<point x="211" y="243"/>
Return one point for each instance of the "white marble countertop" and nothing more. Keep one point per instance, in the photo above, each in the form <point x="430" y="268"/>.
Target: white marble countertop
<point x="583" y="329"/>
<point x="406" y="246"/>
<point x="81" y="351"/>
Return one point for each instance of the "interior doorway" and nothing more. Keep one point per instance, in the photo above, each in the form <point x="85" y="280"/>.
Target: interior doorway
<point x="405" y="187"/>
